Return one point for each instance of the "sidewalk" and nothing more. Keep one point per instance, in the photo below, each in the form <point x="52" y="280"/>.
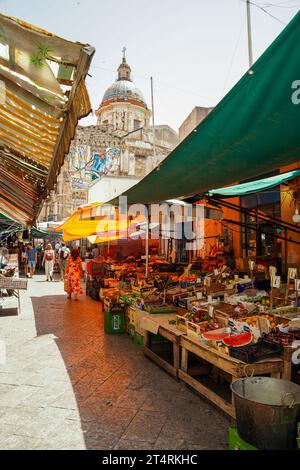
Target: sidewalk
<point x="67" y="385"/>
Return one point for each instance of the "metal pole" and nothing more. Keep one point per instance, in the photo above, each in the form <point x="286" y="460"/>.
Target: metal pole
<point x="147" y="248"/>
<point x="153" y="119"/>
<point x="249" y="34"/>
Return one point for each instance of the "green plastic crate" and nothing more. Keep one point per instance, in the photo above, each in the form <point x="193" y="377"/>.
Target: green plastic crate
<point x="139" y="340"/>
<point x="236" y="443"/>
<point x="114" y="322"/>
<point x="131" y="331"/>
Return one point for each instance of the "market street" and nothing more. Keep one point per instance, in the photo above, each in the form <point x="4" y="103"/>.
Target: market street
<point x="67" y="385"/>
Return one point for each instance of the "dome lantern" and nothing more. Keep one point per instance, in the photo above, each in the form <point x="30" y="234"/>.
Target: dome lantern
<point x="124" y="69"/>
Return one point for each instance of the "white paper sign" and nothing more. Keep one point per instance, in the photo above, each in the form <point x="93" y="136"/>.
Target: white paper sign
<point x="276" y="281"/>
<point x="297" y="285"/>
<point x="211" y="311"/>
<point x="292" y="273"/>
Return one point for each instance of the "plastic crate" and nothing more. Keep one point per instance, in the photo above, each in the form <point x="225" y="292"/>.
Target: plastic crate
<point x="114" y="323"/>
<point x="255" y="351"/>
<point x="139" y="340"/>
<point x="131" y="331"/>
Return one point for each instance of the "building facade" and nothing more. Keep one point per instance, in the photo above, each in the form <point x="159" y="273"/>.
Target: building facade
<point x="122" y="144"/>
<point x="194" y="118"/>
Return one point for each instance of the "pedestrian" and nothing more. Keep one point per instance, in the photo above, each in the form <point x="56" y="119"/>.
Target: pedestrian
<point x="73" y="275"/>
<point x="48" y="262"/>
<point x="3" y="257"/>
<point x="40" y="254"/>
<point x="24" y="257"/>
<point x="57" y="246"/>
<point x="95" y="251"/>
<point x="63" y="256"/>
<point x="32" y="259"/>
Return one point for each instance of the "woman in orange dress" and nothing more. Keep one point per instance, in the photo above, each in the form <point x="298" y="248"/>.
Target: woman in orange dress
<point x="73" y="274"/>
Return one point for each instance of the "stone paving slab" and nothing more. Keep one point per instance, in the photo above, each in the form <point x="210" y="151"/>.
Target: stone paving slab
<point x="67" y="385"/>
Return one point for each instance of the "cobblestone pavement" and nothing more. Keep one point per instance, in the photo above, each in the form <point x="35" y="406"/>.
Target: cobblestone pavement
<point x="67" y="385"/>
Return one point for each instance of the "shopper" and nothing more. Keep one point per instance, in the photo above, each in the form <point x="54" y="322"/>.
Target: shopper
<point x="48" y="262"/>
<point x="24" y="257"/>
<point x="63" y="256"/>
<point x="57" y="246"/>
<point x="32" y="259"/>
<point x="74" y="273"/>
<point x="95" y="251"/>
<point x="40" y="254"/>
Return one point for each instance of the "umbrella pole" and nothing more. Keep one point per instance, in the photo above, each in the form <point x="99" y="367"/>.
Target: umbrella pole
<point x="147" y="249"/>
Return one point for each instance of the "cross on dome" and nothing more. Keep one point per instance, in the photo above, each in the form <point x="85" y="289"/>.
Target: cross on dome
<point x="124" y="53"/>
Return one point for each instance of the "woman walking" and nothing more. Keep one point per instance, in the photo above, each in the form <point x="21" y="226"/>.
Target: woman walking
<point x="48" y="262"/>
<point x="74" y="273"/>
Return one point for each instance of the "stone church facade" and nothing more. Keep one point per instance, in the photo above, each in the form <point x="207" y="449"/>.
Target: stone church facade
<point x="123" y="123"/>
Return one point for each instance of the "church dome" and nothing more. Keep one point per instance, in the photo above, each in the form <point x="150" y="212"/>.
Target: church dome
<point x="124" y="90"/>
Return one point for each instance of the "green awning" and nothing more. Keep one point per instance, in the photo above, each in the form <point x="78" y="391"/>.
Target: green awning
<point x="36" y="233"/>
<point x="252" y="131"/>
<point x="254" y="186"/>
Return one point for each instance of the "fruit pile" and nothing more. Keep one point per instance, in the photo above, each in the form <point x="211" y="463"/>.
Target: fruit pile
<point x="277" y="337"/>
<point x="209" y="326"/>
<point x="239" y="312"/>
<point x="198" y="316"/>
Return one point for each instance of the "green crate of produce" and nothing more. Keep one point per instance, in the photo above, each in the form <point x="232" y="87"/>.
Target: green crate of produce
<point x="160" y="309"/>
<point x="139" y="340"/>
<point x="236" y="443"/>
<point x="114" y="322"/>
<point x="131" y="331"/>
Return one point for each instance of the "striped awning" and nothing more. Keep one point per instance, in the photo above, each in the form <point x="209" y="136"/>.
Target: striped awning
<point x="42" y="97"/>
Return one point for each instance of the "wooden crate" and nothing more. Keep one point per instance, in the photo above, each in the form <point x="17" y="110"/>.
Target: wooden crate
<point x="181" y="323"/>
<point x="193" y="330"/>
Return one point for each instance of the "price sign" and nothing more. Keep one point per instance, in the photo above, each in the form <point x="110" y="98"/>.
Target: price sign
<point x="276" y="281"/>
<point x="292" y="273"/>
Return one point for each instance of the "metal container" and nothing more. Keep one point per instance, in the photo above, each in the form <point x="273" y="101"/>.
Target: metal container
<point x="267" y="411"/>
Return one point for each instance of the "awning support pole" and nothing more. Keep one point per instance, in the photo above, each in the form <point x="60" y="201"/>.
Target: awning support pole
<point x="147" y="248"/>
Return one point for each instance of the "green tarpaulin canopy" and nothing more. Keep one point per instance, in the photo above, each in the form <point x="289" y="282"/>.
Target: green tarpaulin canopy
<point x="254" y="186"/>
<point x="8" y="225"/>
<point x="253" y="130"/>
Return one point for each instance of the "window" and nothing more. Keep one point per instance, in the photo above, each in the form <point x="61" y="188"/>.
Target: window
<point x="136" y="124"/>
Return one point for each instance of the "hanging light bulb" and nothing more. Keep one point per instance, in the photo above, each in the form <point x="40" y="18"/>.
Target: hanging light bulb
<point x="296" y="216"/>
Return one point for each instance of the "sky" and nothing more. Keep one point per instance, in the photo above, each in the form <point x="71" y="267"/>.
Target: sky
<point x="195" y="50"/>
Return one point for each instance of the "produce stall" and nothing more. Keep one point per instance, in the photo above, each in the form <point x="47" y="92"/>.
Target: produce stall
<point x="222" y="367"/>
<point x="206" y="330"/>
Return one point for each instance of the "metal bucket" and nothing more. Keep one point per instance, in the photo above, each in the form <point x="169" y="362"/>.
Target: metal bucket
<point x="267" y="411"/>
